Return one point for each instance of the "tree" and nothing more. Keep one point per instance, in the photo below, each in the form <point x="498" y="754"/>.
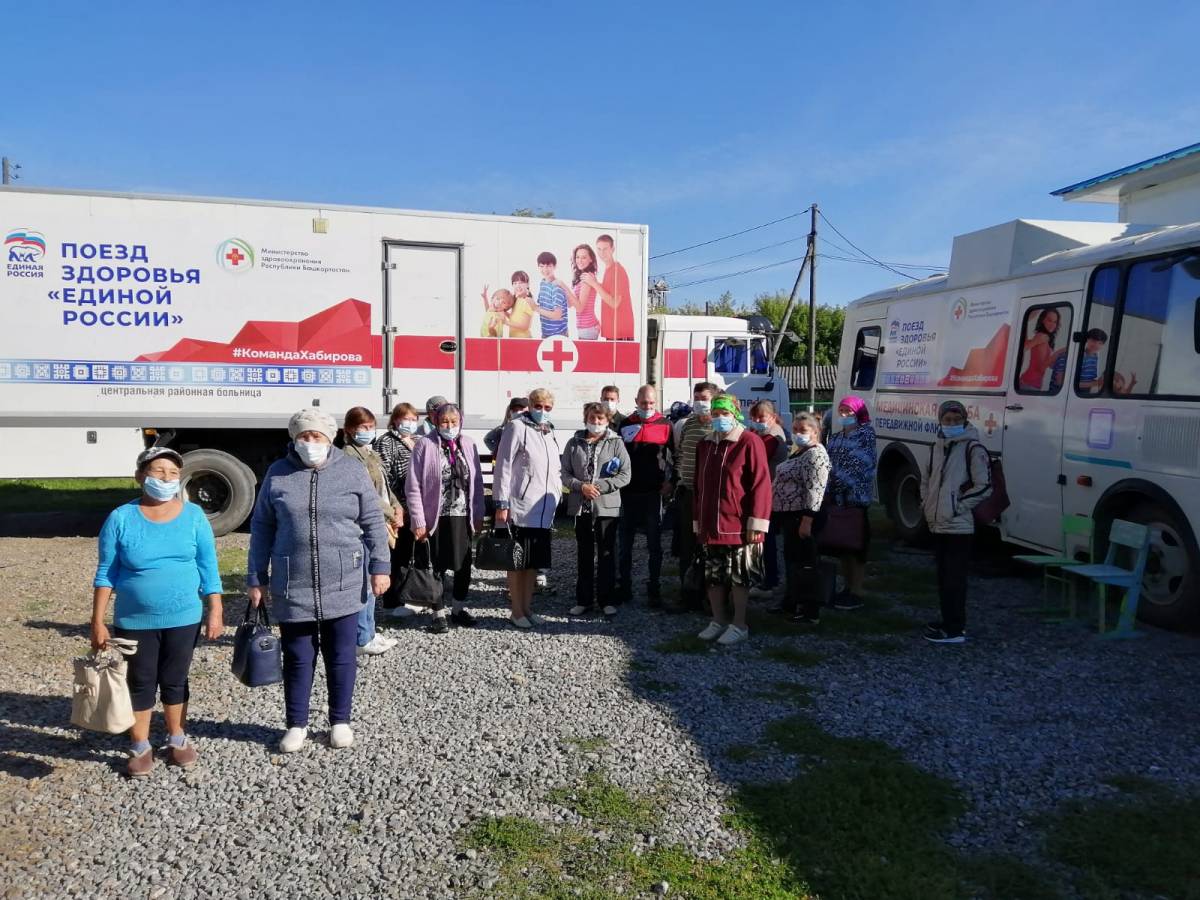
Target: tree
<point x="528" y="212"/>
<point x="829" y="329"/>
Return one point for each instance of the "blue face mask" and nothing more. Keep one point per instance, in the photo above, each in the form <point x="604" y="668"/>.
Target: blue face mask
<point x="406" y="426"/>
<point x="362" y="438"/>
<point x="802" y="440"/>
<point x="847" y="421"/>
<point x="157" y="489"/>
<point x="538" y="416"/>
<point x="722" y="424"/>
<point x="760" y="427"/>
<point x="953" y="431"/>
<point x="448" y="434"/>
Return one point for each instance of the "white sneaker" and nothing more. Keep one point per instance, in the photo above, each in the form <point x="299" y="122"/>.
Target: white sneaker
<point x="401" y="612"/>
<point x="578" y="610"/>
<point x="377" y="645"/>
<point x="610" y="611"/>
<point x="712" y="632"/>
<point x="390" y="641"/>
<point x="535" y="620"/>
<point x="733" y="635"/>
<point x="341" y="736"/>
<point x="523" y="623"/>
<point x="293" y="740"/>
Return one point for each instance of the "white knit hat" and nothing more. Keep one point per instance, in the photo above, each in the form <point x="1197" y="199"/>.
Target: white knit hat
<point x="312" y="419"/>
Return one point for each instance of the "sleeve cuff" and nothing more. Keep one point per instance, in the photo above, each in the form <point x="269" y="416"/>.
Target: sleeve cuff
<point x="380" y="567"/>
<point x="501" y="504"/>
<point x="762" y="525"/>
<point x="256" y="579"/>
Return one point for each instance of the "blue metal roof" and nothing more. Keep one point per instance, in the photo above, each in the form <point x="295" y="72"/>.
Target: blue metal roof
<point x="1128" y="170"/>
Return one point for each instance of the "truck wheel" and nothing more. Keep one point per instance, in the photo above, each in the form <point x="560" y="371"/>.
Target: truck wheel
<point x="1171" y="589"/>
<point x="221" y="485"/>
<point x="903" y="502"/>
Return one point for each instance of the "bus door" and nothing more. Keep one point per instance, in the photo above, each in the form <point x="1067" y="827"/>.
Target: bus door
<point x="738" y="364"/>
<point x="1034" y="417"/>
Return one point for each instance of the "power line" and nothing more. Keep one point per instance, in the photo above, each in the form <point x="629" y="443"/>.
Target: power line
<point x="727" y="258"/>
<point x="782" y="262"/>
<point x="866" y="262"/>
<point x="864" y="252"/>
<point x="727" y="236"/>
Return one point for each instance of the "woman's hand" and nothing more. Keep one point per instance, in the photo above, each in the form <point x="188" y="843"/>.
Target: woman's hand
<point x="216" y="620"/>
<point x="380" y="584"/>
<point x="755" y="537"/>
<point x="420" y="533"/>
<point x="590" y="491"/>
<point x="99" y="635"/>
<point x="501" y="518"/>
<point x="590" y="280"/>
<point x="257" y="595"/>
<point x="399" y="520"/>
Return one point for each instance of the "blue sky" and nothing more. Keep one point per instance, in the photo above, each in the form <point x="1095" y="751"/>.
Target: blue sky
<point x="908" y="123"/>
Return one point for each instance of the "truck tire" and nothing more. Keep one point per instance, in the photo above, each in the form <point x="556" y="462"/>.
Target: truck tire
<point x="903" y="501"/>
<point x="1171" y="589"/>
<point x="221" y="485"/>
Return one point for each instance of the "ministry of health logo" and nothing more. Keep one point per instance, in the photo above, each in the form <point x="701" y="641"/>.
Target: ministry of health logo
<point x="23" y="245"/>
<point x="959" y="311"/>
<point x="235" y="255"/>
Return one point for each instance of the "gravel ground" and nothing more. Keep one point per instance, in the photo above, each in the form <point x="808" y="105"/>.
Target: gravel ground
<point x="480" y="722"/>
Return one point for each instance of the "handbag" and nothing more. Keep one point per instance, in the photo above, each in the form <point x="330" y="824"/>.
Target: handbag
<point x="418" y="584"/>
<point x="845" y="529"/>
<point x="499" y="551"/>
<point x="989" y="510"/>
<point x="101" y="699"/>
<point x="257" y="654"/>
<point x="692" y="587"/>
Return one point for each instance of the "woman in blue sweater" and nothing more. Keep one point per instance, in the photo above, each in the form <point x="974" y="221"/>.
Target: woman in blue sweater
<point x="158" y="554"/>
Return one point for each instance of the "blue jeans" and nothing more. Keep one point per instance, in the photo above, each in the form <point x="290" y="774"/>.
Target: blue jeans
<point x="366" y="622"/>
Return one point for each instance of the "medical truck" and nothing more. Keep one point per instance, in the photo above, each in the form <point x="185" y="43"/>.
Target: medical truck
<point x="203" y="324"/>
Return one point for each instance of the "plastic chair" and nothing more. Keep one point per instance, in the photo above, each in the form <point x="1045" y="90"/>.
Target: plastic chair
<point x="1072" y="526"/>
<point x="1136" y="538"/>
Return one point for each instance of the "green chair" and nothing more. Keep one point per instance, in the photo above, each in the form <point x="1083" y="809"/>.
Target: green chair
<point x="1136" y="538"/>
<point x="1073" y="526"/>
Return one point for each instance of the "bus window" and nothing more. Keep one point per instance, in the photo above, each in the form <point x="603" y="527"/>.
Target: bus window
<point x="729" y="356"/>
<point x="1093" y="357"/>
<point x="866" y="358"/>
<point x="1045" y="338"/>
<point x="758" y="357"/>
<point x="1156" y="352"/>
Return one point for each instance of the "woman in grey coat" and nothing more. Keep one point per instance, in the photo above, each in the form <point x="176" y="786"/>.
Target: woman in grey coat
<point x="595" y="466"/>
<point x="316" y="535"/>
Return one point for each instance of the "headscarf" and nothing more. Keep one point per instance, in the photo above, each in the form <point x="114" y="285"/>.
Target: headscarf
<point x="952" y="406"/>
<point x="727" y="404"/>
<point x="859" y="407"/>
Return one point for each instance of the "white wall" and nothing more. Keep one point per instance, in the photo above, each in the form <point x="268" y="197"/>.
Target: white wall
<point x="1174" y="203"/>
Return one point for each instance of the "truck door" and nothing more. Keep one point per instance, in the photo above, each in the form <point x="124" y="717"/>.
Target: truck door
<point x="422" y="305"/>
<point x="1034" y="414"/>
<point x="738" y="364"/>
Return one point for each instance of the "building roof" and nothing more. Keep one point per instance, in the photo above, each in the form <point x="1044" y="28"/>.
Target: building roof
<point x="1109" y="187"/>
<point x="797" y="377"/>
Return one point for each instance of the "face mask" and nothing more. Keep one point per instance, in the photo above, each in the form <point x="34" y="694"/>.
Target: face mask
<point x="405" y="426"/>
<point x="595" y="428"/>
<point x="702" y="407"/>
<point x="448" y="434"/>
<point x="157" y="489"/>
<point x="611" y="406"/>
<point x="802" y="440"/>
<point x="953" y="431"/>
<point x="722" y="424"/>
<point x="647" y="412"/>
<point x="760" y="427"/>
<point x="312" y="453"/>
<point x="362" y="438"/>
<point x="847" y="421"/>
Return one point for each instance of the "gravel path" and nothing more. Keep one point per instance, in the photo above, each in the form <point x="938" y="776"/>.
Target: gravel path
<point x="481" y="722"/>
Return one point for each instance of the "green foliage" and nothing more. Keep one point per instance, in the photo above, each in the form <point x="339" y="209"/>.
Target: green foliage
<point x="601" y="801"/>
<point x="65" y="494"/>
<point x="528" y="212"/>
<point x="830" y="320"/>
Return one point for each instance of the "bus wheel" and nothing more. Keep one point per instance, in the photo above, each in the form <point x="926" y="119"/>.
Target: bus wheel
<point x="1170" y="597"/>
<point x="221" y="485"/>
<point x="904" y="503"/>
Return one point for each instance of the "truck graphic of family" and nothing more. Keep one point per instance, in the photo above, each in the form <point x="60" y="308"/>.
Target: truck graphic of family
<point x="602" y="303"/>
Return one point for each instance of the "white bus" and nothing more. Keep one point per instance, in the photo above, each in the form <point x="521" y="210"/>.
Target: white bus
<point x="1076" y="349"/>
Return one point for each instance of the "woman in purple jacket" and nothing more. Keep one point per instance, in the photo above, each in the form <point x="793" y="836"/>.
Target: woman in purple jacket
<point x="445" y="506"/>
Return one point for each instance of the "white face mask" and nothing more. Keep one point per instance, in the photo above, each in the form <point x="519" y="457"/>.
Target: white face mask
<point x="646" y="411"/>
<point x="596" y="428"/>
<point x="448" y="434"/>
<point x="702" y="407"/>
<point x="406" y="426"/>
<point x="312" y="453"/>
<point x="611" y="406"/>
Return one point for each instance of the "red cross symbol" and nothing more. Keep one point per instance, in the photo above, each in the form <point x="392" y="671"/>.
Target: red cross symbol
<point x="558" y="356"/>
<point x="991" y="424"/>
<point x="235" y="256"/>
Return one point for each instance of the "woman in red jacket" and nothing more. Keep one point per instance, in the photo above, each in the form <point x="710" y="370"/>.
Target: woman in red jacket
<point x="732" y="512"/>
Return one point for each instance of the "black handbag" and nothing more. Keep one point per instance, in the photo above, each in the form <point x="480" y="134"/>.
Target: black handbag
<point x="418" y="584"/>
<point x="499" y="551"/>
<point x="257" y="655"/>
<point x="692" y="586"/>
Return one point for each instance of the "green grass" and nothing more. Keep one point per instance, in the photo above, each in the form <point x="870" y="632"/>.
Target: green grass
<point x="799" y="659"/>
<point x="599" y="800"/>
<point x="684" y="642"/>
<point x="231" y="560"/>
<point x="743" y="752"/>
<point x="65" y="494"/>
<point x="593" y="744"/>
<point x="991" y="877"/>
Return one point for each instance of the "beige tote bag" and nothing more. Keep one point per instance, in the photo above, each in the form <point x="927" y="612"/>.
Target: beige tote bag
<point x="101" y="701"/>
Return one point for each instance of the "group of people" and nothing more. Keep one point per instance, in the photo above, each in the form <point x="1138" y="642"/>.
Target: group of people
<point x="600" y="303"/>
<point x="339" y="515"/>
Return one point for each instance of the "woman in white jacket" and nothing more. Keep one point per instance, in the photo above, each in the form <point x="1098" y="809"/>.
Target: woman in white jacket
<point x="527" y="485"/>
<point x="957" y="479"/>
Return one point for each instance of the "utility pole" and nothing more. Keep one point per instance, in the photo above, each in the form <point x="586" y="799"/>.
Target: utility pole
<point x="8" y="171"/>
<point x="4" y="168"/>
<point x="812" y="312"/>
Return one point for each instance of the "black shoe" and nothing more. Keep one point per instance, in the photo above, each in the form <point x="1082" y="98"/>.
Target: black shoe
<point x="439" y="625"/>
<point x="463" y="618"/>
<point x="941" y="636"/>
<point x="847" y="601"/>
<point x="802" y="619"/>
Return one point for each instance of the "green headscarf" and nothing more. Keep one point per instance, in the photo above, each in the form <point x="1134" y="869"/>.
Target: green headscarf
<point x="728" y="404"/>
